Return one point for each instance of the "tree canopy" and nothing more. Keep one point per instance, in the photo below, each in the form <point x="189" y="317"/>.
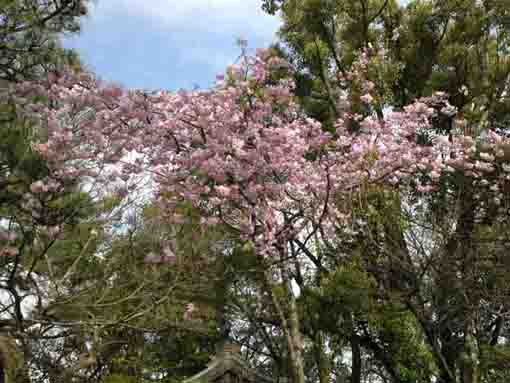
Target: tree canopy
<point x="337" y="204"/>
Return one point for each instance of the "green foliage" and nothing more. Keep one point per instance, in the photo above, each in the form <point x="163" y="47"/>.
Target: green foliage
<point x="460" y="47"/>
<point x="118" y="378"/>
<point x="495" y="362"/>
<point x="349" y="286"/>
<point x="12" y="360"/>
<point x="400" y="332"/>
<point x="29" y="32"/>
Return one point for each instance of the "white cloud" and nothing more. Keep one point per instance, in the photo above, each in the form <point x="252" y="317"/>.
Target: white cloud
<point x="214" y="16"/>
<point x="169" y="43"/>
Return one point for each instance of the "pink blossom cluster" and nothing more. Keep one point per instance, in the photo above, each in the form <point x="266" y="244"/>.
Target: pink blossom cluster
<point x="7" y="238"/>
<point x="167" y="257"/>
<point x="243" y="153"/>
<point x="189" y="310"/>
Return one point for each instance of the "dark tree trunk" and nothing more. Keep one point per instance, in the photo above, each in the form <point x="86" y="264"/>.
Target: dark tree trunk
<point x="356" y="359"/>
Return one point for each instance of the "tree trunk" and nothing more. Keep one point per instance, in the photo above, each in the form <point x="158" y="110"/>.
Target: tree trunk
<point x="323" y="364"/>
<point x="297" y="342"/>
<point x="470" y="357"/>
<point x="356" y="359"/>
<point x="290" y="323"/>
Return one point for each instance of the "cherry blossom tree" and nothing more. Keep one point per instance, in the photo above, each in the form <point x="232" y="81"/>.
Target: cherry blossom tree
<point x="245" y="156"/>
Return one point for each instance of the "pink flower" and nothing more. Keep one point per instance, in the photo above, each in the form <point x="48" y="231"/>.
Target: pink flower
<point x="210" y="221"/>
<point x="121" y="192"/>
<point x="441" y="140"/>
<point x="435" y="174"/>
<point x="188" y="312"/>
<point x="357" y="149"/>
<point x="8" y="251"/>
<point x="53" y="231"/>
<point x="152" y="258"/>
<point x="425" y="189"/>
<point x="41" y="148"/>
<point x="369" y="85"/>
<point x="168" y="256"/>
<point x="366" y="98"/>
<point x="487" y="157"/>
<point x="223" y="191"/>
<point x="38" y="187"/>
<point x="8" y="236"/>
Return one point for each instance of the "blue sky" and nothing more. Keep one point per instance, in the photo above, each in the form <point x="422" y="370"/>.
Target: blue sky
<point x="169" y="44"/>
